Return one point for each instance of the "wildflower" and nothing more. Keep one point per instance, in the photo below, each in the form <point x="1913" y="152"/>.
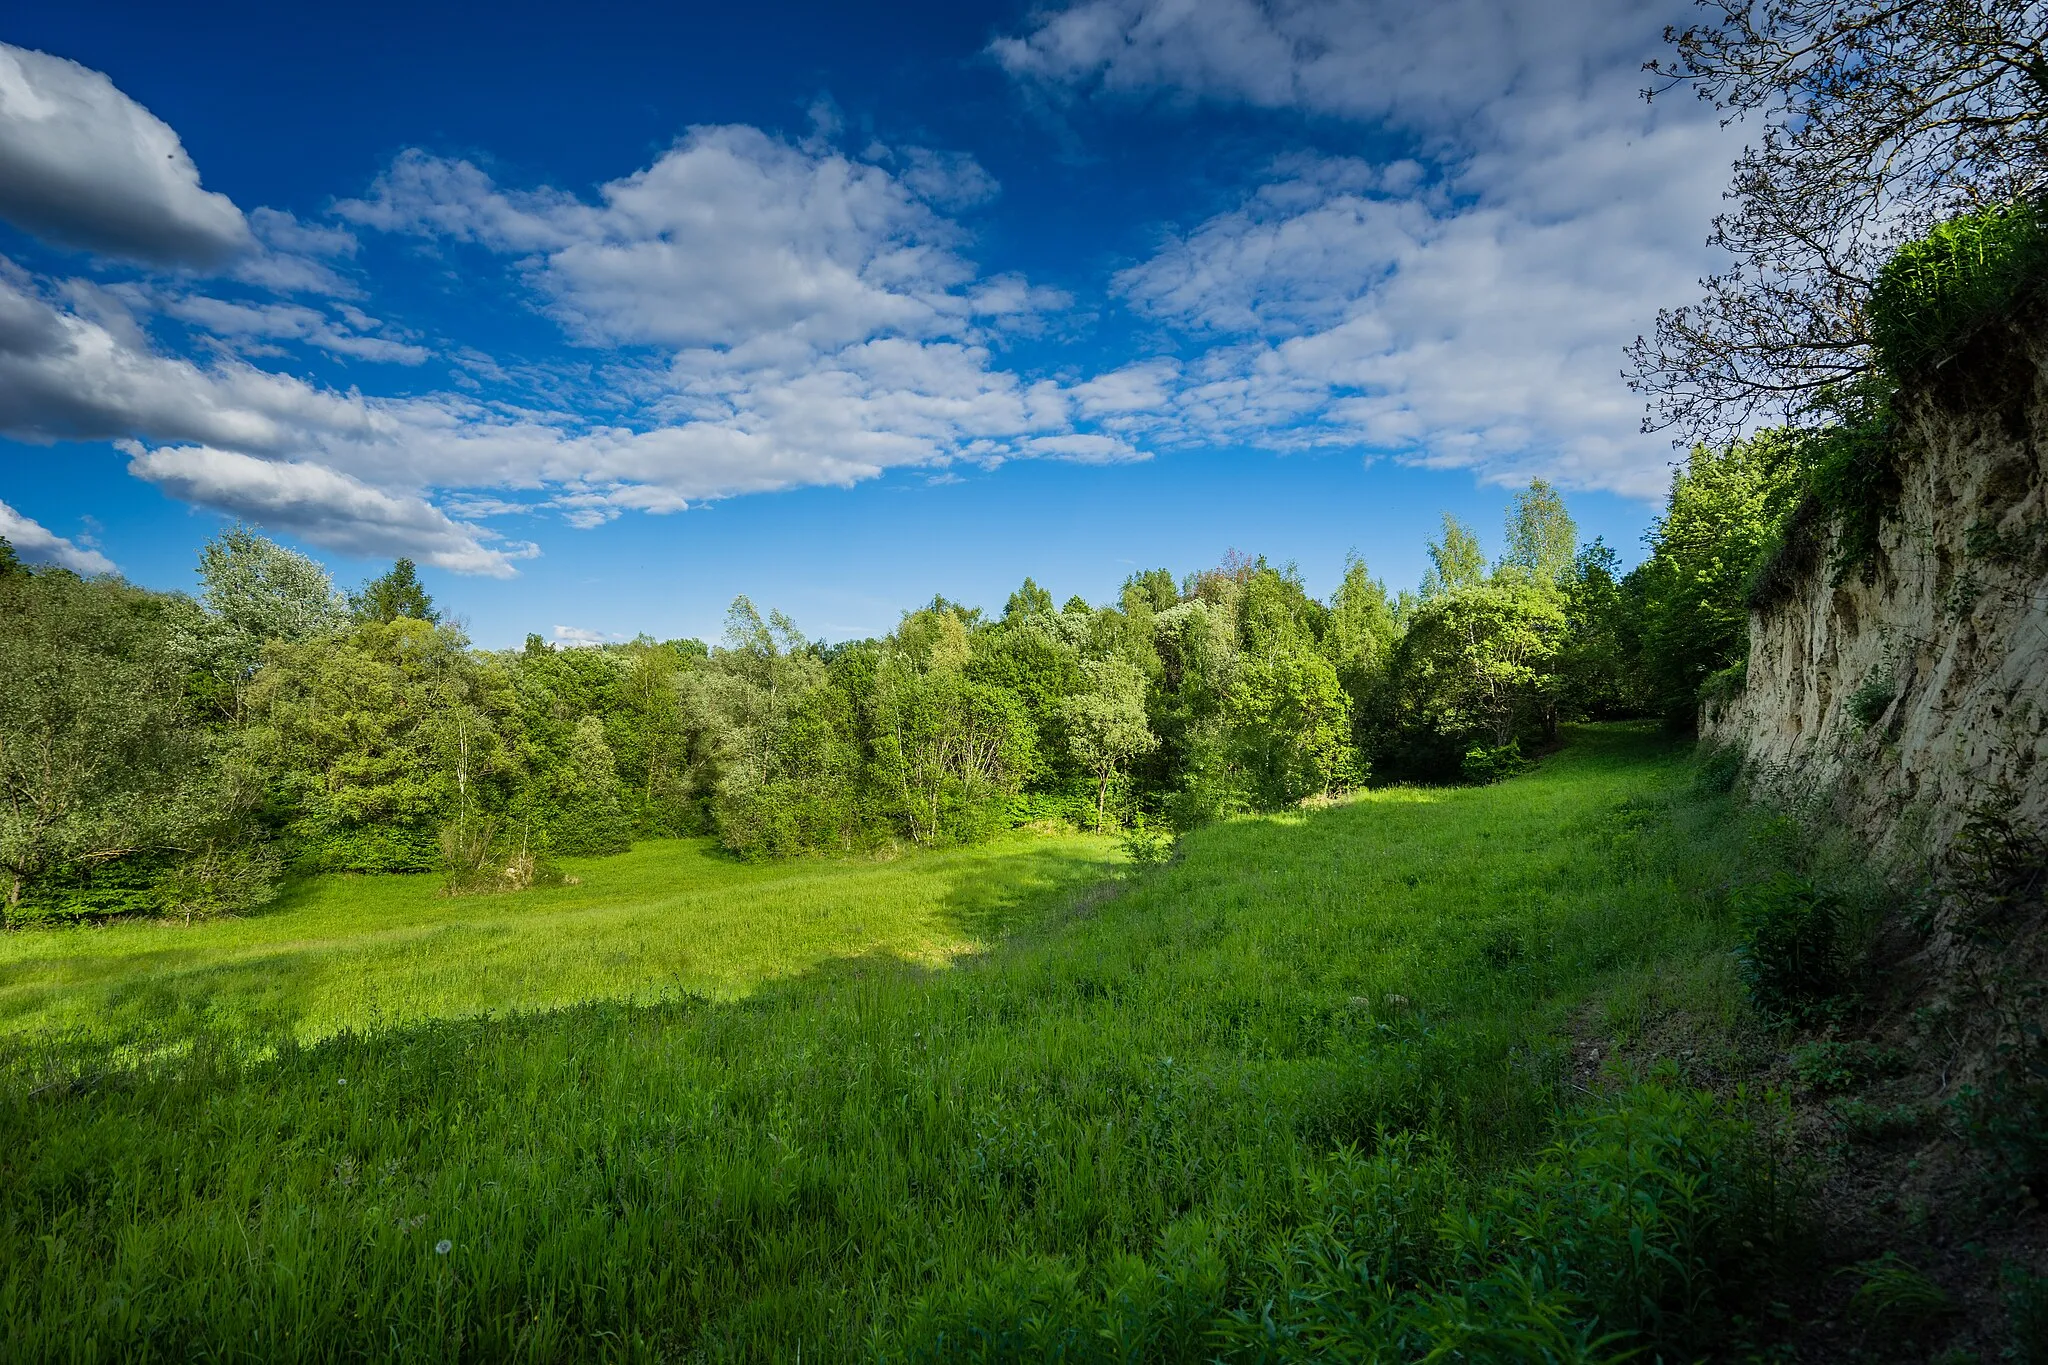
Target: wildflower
<point x="443" y="1247"/>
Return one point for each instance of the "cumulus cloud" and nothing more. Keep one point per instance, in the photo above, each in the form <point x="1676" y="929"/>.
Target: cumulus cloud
<point x="38" y="545"/>
<point x="83" y="165"/>
<point x="1465" y="305"/>
<point x="730" y="239"/>
<point x="324" y="506"/>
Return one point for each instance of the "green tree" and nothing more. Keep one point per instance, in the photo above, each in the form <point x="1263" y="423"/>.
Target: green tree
<point x="1542" y="538"/>
<point x="255" y="591"/>
<point x="1456" y="561"/>
<point x="99" y="760"/>
<point x="1727" y="509"/>
<point x="1105" y="724"/>
<point x="1028" y="600"/>
<point x="1289" y="726"/>
<point x="376" y="737"/>
<point x="394" y="595"/>
<point x="1476" y="665"/>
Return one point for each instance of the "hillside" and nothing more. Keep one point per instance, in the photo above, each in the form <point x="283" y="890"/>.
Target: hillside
<point x="1184" y="1115"/>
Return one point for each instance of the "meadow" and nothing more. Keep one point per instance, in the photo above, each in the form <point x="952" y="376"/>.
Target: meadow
<point x="673" y="917"/>
<point x="1308" y="1091"/>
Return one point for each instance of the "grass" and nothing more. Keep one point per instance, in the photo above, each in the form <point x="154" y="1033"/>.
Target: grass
<point x="1159" y="1125"/>
<point x="671" y="917"/>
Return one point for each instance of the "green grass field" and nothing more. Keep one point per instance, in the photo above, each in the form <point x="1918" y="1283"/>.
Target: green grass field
<point x="670" y="918"/>
<point x="1320" y="1049"/>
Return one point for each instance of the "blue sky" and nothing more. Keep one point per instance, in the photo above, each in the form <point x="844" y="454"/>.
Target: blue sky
<point x="607" y="313"/>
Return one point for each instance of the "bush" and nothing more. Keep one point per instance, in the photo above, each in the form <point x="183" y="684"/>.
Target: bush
<point x="221" y="881"/>
<point x="1867" y="703"/>
<point x="1791" y="953"/>
<point x="1717" y="768"/>
<point x="1486" y="765"/>
<point x="1935" y="291"/>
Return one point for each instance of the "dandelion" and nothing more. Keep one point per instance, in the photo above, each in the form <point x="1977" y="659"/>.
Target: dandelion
<point x="341" y="1080"/>
<point x="443" y="1247"/>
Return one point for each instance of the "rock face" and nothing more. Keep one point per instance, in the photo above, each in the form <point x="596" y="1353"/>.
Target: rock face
<point x="1902" y="698"/>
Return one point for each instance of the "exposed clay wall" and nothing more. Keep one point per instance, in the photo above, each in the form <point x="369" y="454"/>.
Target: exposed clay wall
<point x="1954" y="613"/>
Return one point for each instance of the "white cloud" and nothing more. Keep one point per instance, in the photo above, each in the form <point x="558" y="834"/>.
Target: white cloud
<point x="83" y="165"/>
<point x="324" y="506"/>
<point x="576" y="637"/>
<point x="38" y="545"/>
<point x="1467" y="312"/>
<point x="294" y="322"/>
<point x="731" y="239"/>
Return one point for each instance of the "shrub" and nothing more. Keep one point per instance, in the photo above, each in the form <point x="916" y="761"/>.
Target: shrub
<point x="1866" y="705"/>
<point x="1146" y="845"/>
<point x="1791" y="945"/>
<point x="1935" y="291"/>
<point x="1486" y="765"/>
<point x="1717" y="767"/>
<point x="1832" y="1065"/>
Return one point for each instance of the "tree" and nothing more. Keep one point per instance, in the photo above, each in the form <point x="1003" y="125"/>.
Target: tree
<point x="1880" y="118"/>
<point x="1289" y="726"/>
<point x="1456" y="561"/>
<point x="395" y="595"/>
<point x="255" y="591"/>
<point x="99" y="761"/>
<point x="1105" y="724"/>
<point x="377" y="736"/>
<point x="1725" y="515"/>
<point x="1028" y="600"/>
<point x="1542" y="537"/>
<point x="1476" y="663"/>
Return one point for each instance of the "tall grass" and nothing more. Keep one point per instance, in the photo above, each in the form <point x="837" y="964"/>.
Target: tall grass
<point x="1120" y="1135"/>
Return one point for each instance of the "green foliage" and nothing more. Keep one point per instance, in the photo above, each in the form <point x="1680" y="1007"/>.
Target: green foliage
<point x="1893" y="1294"/>
<point x="1542" y="538"/>
<point x="394" y="595"/>
<point x="1484" y="765"/>
<point x="1476" y="664"/>
<point x="1852" y="473"/>
<point x="100" y="763"/>
<point x="256" y="591"/>
<point x="1456" y="560"/>
<point x="1146" y="844"/>
<point x="2026" y="1307"/>
<point x="1791" y="954"/>
<point x="1832" y="1065"/>
<point x="1726" y="511"/>
<point x="1872" y="697"/>
<point x="1935" y="291"/>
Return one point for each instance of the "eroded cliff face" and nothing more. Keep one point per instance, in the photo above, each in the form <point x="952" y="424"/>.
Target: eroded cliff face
<point x="1904" y="698"/>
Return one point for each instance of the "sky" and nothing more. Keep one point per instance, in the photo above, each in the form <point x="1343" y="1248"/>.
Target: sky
<point x="607" y="313"/>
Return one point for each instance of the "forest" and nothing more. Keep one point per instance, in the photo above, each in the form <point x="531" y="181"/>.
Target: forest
<point x="179" y="755"/>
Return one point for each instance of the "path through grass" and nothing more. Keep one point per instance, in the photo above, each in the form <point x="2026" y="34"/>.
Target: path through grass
<point x="1092" y="1142"/>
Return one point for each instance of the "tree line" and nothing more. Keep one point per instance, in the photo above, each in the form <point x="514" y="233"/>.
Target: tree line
<point x="179" y="754"/>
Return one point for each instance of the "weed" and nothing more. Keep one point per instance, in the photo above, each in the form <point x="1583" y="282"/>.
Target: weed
<point x="1790" y="956"/>
<point x="1146" y="845"/>
<point x="1832" y="1066"/>
<point x="1865" y="1122"/>
<point x="1894" y="1294"/>
<point x="1717" y="769"/>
